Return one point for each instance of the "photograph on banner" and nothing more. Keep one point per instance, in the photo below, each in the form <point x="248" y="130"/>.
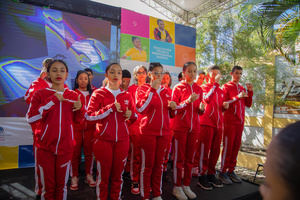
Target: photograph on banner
<point x="185" y="35"/>
<point x="130" y="65"/>
<point x="134" y="48"/>
<point x="184" y="54"/>
<point x="134" y="23"/>
<point x="82" y="42"/>
<point x="287" y="89"/>
<point x="161" y="30"/>
<point x="162" y="52"/>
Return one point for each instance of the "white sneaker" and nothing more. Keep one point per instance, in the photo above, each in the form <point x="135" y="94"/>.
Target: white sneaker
<point x="179" y="194"/>
<point x="189" y="193"/>
<point x="157" y="198"/>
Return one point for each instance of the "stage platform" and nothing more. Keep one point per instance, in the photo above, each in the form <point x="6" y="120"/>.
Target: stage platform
<point x="18" y="184"/>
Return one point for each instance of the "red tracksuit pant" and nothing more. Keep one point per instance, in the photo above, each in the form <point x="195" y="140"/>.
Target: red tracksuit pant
<point x="111" y="159"/>
<point x="209" y="145"/>
<point x="168" y="152"/>
<point x="184" y="151"/>
<point x="231" y="145"/>
<point x="54" y="173"/>
<point x="135" y="158"/>
<point x="153" y="149"/>
<point x="83" y="138"/>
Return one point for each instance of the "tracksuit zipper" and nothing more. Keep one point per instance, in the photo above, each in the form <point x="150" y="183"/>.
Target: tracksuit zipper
<point x="59" y="131"/>
<point x="162" y="113"/>
<point x="192" y="110"/>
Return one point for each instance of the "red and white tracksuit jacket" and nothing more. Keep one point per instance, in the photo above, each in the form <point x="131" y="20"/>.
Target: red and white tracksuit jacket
<point x="233" y="124"/>
<point x="211" y="127"/>
<point x="154" y="125"/>
<point x="112" y="138"/>
<point x="83" y="134"/>
<point x="186" y="131"/>
<point x="55" y="138"/>
<point x="134" y="157"/>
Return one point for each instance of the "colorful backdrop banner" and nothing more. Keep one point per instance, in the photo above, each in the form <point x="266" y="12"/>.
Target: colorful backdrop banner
<point x="162" y="52"/>
<point x="185" y="35"/>
<point x="134" y="23"/>
<point x="134" y="48"/>
<point x="162" y="30"/>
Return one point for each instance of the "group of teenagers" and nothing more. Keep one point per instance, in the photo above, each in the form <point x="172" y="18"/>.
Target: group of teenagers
<point x="136" y="129"/>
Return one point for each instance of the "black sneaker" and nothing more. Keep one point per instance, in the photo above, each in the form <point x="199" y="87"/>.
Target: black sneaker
<point x="234" y="177"/>
<point x="203" y="183"/>
<point x="225" y="178"/>
<point x="212" y="179"/>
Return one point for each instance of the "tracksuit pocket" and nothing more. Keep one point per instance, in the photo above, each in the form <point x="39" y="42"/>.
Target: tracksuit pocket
<point x="152" y="117"/>
<point x="44" y="132"/>
<point x="183" y="115"/>
<point x="104" y="129"/>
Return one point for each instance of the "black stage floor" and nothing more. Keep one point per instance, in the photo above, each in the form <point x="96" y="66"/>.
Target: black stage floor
<point x="18" y="184"/>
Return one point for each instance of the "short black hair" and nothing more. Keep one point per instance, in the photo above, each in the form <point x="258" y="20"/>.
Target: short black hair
<point x="213" y="67"/>
<point x="126" y="73"/>
<point x="288" y="165"/>
<point x="57" y="60"/>
<point x="153" y="65"/>
<point x="236" y="67"/>
<point x="180" y="76"/>
<point x="109" y="66"/>
<point x="188" y="64"/>
<point x="89" y="70"/>
<point x="159" y="20"/>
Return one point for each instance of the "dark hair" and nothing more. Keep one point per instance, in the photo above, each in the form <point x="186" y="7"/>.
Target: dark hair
<point x="159" y="20"/>
<point x="153" y="65"/>
<point x="170" y="83"/>
<point x="109" y="66"/>
<point x="126" y="73"/>
<point x="89" y="70"/>
<point x="236" y="67"/>
<point x="134" y="38"/>
<point x="180" y="76"/>
<point x="287" y="143"/>
<point x="188" y="64"/>
<point x="47" y="61"/>
<point x="76" y="85"/>
<point x="213" y="67"/>
<point x="54" y="61"/>
<point x="201" y="72"/>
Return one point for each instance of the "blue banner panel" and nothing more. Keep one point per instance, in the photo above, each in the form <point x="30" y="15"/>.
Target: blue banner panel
<point x="162" y="52"/>
<point x="26" y="156"/>
<point x="185" y="35"/>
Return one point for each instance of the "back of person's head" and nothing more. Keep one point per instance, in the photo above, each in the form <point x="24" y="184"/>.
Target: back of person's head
<point x="45" y="64"/>
<point x="236" y="67"/>
<point x="154" y="65"/>
<point x="188" y="64"/>
<point x="89" y="70"/>
<point x="213" y="67"/>
<point x="126" y="73"/>
<point x="287" y="143"/>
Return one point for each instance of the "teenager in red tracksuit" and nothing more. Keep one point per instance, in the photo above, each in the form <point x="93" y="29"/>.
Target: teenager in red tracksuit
<point x="154" y="102"/>
<point x="36" y="85"/>
<point x="188" y="97"/>
<point x="134" y="158"/>
<point x="55" y="109"/>
<point x="110" y="108"/>
<point x="211" y="127"/>
<point x="238" y="98"/>
<point x="83" y="134"/>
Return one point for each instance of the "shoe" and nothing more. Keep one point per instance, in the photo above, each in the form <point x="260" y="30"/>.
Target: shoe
<point x="188" y="192"/>
<point x="157" y="198"/>
<point x="214" y="181"/>
<point x="135" y="189"/>
<point x="203" y="183"/>
<point x="126" y="175"/>
<point x="195" y="172"/>
<point x="90" y="180"/>
<point x="74" y="183"/>
<point x="38" y="197"/>
<point x="225" y="178"/>
<point x="178" y="193"/>
<point x="235" y="178"/>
